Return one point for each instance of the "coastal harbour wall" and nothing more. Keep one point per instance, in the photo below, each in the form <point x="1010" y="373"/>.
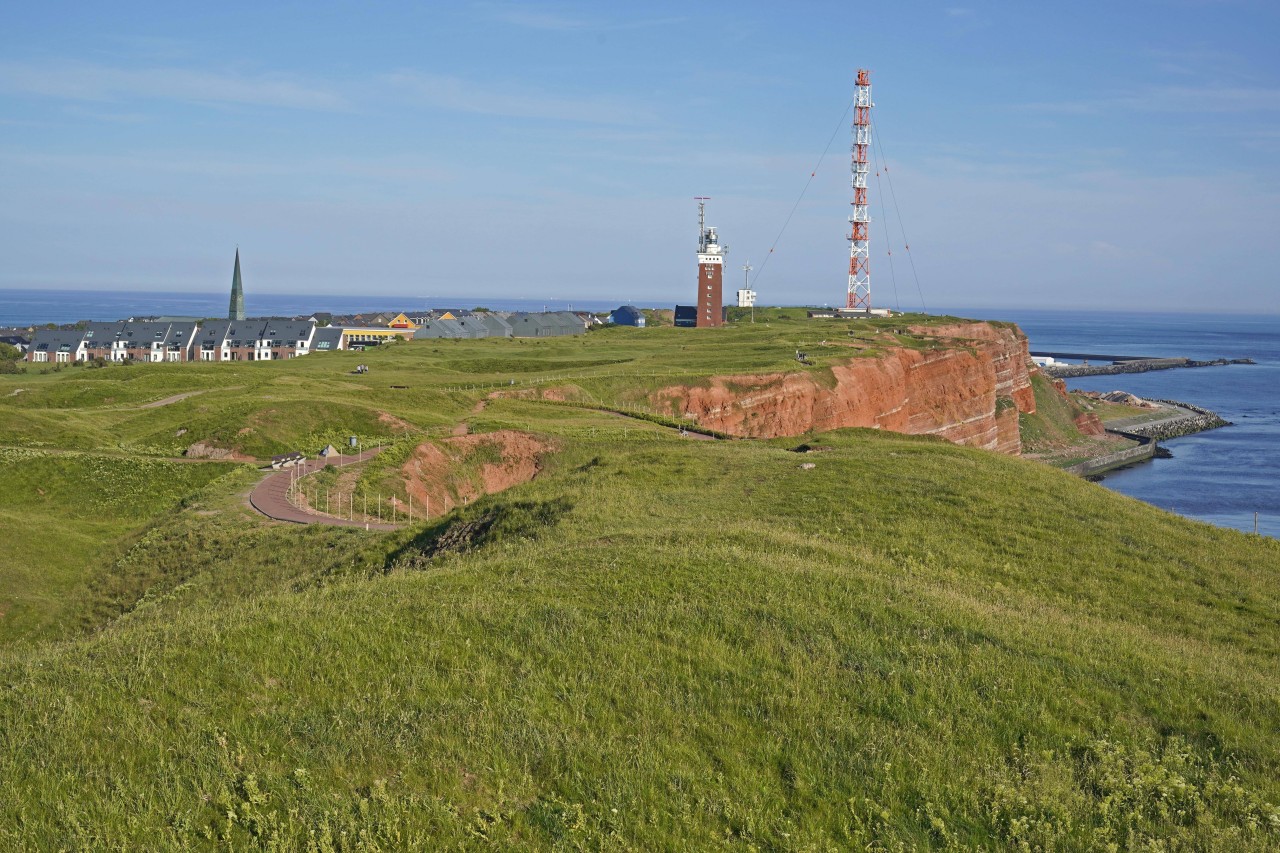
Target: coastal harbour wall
<point x="1145" y="450"/>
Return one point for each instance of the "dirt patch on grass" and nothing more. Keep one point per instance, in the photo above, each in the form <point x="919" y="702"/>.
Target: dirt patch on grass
<point x="456" y="471"/>
<point x="204" y="450"/>
<point x="398" y="424"/>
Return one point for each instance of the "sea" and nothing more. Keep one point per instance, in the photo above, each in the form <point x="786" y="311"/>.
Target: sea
<point x="1223" y="476"/>
<point x="1229" y="476"/>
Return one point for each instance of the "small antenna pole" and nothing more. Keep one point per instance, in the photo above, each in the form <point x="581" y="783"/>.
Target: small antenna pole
<point x="702" y="220"/>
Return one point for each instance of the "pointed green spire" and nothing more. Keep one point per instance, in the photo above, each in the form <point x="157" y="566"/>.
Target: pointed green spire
<point x="236" y="312"/>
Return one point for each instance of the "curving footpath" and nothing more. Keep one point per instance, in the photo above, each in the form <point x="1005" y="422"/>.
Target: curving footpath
<point x="271" y="496"/>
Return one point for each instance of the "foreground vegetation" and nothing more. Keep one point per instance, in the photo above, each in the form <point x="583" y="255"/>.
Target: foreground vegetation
<point x="663" y="643"/>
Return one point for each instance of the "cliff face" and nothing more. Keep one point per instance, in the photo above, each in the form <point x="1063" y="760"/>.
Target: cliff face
<point x="969" y="391"/>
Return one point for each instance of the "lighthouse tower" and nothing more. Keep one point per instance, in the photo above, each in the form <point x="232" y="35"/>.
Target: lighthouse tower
<point x="710" y="272"/>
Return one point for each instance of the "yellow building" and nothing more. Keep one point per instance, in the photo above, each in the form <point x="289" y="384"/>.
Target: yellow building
<point x="355" y="337"/>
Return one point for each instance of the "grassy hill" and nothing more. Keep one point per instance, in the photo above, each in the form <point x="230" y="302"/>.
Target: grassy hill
<point x="658" y="643"/>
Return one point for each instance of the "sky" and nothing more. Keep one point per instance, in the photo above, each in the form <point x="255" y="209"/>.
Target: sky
<point x="1095" y="155"/>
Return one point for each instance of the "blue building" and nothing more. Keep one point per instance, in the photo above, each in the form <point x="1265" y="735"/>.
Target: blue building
<point x="627" y="315"/>
<point x="686" y="316"/>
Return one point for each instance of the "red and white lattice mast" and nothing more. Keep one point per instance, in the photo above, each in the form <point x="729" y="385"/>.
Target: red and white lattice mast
<point x="859" y="244"/>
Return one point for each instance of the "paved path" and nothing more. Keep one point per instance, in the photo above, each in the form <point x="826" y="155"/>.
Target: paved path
<point x="270" y="497"/>
<point x="684" y="433"/>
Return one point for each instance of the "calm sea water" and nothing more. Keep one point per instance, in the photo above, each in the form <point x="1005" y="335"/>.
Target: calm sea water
<point x="27" y="307"/>
<point x="1222" y="477"/>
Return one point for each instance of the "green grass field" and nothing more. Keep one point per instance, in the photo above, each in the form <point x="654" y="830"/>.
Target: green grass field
<point x="67" y="517"/>
<point x="659" y="643"/>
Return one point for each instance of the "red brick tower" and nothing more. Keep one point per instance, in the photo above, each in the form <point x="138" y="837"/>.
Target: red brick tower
<point x="710" y="272"/>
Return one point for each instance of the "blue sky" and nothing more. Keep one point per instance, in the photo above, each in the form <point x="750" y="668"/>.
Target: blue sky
<point x="1085" y="155"/>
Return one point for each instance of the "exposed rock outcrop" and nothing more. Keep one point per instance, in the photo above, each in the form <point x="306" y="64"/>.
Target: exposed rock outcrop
<point x="1089" y="424"/>
<point x="455" y="471"/>
<point x="968" y="391"/>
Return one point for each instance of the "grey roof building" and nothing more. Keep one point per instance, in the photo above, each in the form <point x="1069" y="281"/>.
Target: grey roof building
<point x="545" y="325"/>
<point x="473" y="326"/>
<point x="57" y="345"/>
<point x="212" y="335"/>
<point x="327" y="339"/>
<point x="627" y="315"/>
<point x="497" y="326"/>
<point x="570" y="322"/>
<point x="181" y="334"/>
<point x="441" y="329"/>
<point x="19" y="342"/>
<point x="144" y="334"/>
<point x="286" y="333"/>
<point x="526" y="325"/>
<point x="100" y="338"/>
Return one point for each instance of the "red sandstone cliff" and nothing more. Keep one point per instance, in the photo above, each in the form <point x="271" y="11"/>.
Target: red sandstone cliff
<point x="969" y="390"/>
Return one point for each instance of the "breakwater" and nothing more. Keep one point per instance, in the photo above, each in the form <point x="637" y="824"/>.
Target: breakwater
<point x="1071" y="371"/>
<point x="1194" y="420"/>
<point x="1190" y="419"/>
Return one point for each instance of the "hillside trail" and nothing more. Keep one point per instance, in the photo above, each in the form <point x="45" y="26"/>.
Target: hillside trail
<point x="167" y="401"/>
<point x="271" y="496"/>
<point x="684" y="433"/>
<point x="464" y="428"/>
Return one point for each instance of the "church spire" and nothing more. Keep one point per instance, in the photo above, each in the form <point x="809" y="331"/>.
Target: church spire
<point x="236" y="311"/>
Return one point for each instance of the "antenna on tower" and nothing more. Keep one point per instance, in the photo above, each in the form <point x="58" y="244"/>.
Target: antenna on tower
<point x="702" y="220"/>
<point x="859" y="297"/>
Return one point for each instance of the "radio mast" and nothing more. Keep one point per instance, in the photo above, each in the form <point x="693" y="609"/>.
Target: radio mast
<point x="859" y="298"/>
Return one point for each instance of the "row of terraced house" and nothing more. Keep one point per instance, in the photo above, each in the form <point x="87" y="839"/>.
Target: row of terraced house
<point x="184" y="340"/>
<point x="269" y="339"/>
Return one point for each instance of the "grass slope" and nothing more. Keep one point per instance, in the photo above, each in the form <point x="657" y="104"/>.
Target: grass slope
<point x="66" y="517"/>
<point x="679" y="644"/>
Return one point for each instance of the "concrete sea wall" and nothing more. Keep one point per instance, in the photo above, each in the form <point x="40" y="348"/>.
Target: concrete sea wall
<point x="1145" y="450"/>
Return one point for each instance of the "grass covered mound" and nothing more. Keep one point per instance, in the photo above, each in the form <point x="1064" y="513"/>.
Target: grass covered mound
<point x="66" y="518"/>
<point x="663" y="643"/>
